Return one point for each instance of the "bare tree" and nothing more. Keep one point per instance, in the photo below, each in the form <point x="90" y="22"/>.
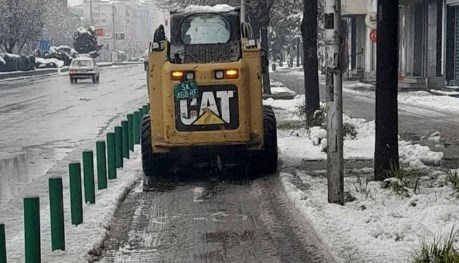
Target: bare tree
<point x="386" y="138"/>
<point x="59" y="23"/>
<point x="21" y="21"/>
<point x="311" y="65"/>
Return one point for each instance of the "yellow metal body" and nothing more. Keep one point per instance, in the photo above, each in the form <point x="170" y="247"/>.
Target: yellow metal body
<point x="165" y="135"/>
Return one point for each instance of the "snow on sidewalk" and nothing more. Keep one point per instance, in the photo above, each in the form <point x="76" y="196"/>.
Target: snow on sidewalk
<point x="379" y="226"/>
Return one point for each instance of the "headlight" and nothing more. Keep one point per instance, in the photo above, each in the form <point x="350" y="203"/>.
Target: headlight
<point x="189" y="76"/>
<point x="219" y="74"/>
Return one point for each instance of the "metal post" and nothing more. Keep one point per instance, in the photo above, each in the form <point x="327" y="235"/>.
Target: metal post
<point x="2" y="244"/>
<point x="101" y="165"/>
<point x="125" y="131"/>
<point x="137" y="117"/>
<point x="56" y="208"/>
<point x="335" y="165"/>
<point x="119" y="146"/>
<point x="130" y="117"/>
<point x="111" y="155"/>
<point x="32" y="229"/>
<point x="76" y="202"/>
<point x="88" y="175"/>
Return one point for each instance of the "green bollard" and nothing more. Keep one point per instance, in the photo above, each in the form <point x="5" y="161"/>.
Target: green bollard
<point x="119" y="146"/>
<point x="76" y="202"/>
<point x="111" y="155"/>
<point x="56" y="208"/>
<point x="125" y="128"/>
<point x="88" y="175"/>
<point x="136" y="132"/>
<point x="2" y="244"/>
<point x="145" y="109"/>
<point x="130" y="117"/>
<point x="101" y="165"/>
<point x="32" y="229"/>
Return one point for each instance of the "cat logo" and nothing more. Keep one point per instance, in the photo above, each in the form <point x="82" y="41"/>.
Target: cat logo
<point x="215" y="109"/>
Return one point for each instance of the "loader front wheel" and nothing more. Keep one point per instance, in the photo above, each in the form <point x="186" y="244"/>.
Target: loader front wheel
<point x="154" y="165"/>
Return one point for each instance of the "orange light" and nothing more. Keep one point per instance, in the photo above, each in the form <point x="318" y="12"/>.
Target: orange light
<point x="177" y="75"/>
<point x="232" y="74"/>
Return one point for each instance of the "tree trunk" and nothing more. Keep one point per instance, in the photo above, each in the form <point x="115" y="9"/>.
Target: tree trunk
<point x="264" y="21"/>
<point x="311" y="64"/>
<point x="386" y="140"/>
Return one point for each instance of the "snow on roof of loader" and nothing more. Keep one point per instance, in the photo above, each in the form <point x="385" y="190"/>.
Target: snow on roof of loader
<point x="206" y="9"/>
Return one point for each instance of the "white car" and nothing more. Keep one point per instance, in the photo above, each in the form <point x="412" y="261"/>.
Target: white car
<point x="84" y="68"/>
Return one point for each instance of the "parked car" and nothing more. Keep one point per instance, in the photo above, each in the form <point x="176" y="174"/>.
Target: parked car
<point x="84" y="68"/>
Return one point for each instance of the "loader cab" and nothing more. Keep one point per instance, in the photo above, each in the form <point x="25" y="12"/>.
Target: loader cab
<point x="205" y="36"/>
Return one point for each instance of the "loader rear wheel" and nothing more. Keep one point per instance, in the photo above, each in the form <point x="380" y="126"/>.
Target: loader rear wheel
<point x="154" y="165"/>
<point x="266" y="160"/>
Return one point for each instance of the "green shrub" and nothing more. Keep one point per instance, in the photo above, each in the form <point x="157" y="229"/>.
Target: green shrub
<point x="453" y="179"/>
<point x="402" y="181"/>
<point x="441" y="250"/>
<point x="320" y="119"/>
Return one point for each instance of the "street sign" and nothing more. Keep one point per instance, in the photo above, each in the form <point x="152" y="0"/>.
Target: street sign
<point x="44" y="45"/>
<point x="119" y="35"/>
<point x="100" y="32"/>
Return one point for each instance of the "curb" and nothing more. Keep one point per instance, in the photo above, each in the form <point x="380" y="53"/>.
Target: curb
<point x="279" y="96"/>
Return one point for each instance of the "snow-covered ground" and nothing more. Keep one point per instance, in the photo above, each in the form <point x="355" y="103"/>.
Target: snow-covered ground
<point x="379" y="225"/>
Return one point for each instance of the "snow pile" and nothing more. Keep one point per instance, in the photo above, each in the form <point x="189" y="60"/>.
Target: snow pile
<point x="207" y="9"/>
<point x="418" y="156"/>
<point x="49" y="63"/>
<point x="278" y="88"/>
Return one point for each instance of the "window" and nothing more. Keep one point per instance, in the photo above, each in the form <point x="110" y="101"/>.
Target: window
<point x="82" y="63"/>
<point x="205" y="29"/>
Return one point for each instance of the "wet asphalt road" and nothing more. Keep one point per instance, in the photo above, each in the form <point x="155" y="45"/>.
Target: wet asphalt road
<point x="213" y="221"/>
<point x="45" y="118"/>
<point x="415" y="122"/>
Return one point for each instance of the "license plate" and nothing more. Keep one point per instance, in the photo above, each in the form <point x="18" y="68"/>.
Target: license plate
<point x="186" y="90"/>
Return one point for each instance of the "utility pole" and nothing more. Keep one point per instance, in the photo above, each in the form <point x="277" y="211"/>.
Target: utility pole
<point x="386" y="139"/>
<point x="113" y="27"/>
<point x="335" y="164"/>
<point x="90" y="13"/>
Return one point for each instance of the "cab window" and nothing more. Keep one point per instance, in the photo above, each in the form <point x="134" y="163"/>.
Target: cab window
<point x="205" y="29"/>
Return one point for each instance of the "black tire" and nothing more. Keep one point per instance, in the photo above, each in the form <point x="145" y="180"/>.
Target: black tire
<point x="266" y="160"/>
<point x="98" y="78"/>
<point x="154" y="165"/>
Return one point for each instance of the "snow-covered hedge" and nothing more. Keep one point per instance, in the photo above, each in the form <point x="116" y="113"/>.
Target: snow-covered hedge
<point x="12" y="62"/>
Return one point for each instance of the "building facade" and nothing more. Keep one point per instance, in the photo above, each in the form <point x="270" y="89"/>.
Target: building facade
<point x="426" y="42"/>
<point x="126" y="26"/>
